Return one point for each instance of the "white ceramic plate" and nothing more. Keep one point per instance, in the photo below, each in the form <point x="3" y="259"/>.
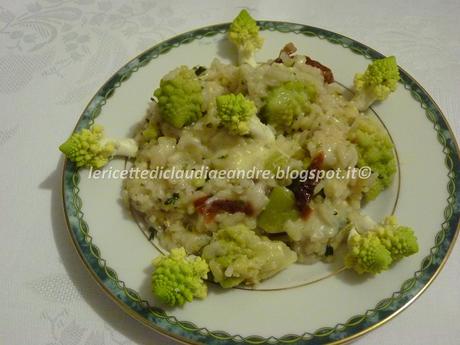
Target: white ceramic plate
<point x="315" y="304"/>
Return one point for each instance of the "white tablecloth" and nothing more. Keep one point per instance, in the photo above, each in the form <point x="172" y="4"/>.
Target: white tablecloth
<point x="55" y="54"/>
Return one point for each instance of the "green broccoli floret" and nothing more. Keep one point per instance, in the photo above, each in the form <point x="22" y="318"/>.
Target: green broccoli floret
<point x="399" y="240"/>
<point x="244" y="33"/>
<point x="287" y="101"/>
<point x="375" y="150"/>
<point x="375" y="250"/>
<point x="178" y="278"/>
<point x="376" y="83"/>
<point x="237" y="255"/>
<point x="179" y="97"/>
<point x="234" y="112"/>
<point x="89" y="147"/>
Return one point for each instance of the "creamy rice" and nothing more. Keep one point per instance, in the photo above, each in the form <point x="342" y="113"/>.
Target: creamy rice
<point x="205" y="143"/>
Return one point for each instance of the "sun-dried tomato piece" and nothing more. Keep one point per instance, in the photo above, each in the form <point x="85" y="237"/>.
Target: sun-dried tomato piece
<point x="326" y="71"/>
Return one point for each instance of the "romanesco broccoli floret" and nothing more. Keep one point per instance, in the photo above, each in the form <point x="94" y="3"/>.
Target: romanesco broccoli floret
<point x="375" y="250"/>
<point x="376" y="83"/>
<point x="238" y="255"/>
<point x="287" y="101"/>
<point x="366" y="254"/>
<point x="244" y="33"/>
<point x="179" y="97"/>
<point x="375" y="150"/>
<point x="90" y="147"/>
<point x="399" y="240"/>
<point x="178" y="278"/>
<point x="235" y="111"/>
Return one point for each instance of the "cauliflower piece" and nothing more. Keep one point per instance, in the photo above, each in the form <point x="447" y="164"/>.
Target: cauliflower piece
<point x="259" y="131"/>
<point x="375" y="250"/>
<point x="237" y="255"/>
<point x="178" y="278"/>
<point x="376" y="83"/>
<point x="287" y="101"/>
<point x="180" y="97"/>
<point x="361" y="222"/>
<point x="375" y="150"/>
<point x="244" y="34"/>
<point x="235" y="111"/>
<point x="89" y="147"/>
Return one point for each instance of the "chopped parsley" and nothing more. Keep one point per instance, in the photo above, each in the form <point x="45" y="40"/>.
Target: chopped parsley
<point x="172" y="200"/>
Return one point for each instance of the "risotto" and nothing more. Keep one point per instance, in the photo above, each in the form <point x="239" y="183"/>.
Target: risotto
<point x="251" y="167"/>
<point x="175" y="207"/>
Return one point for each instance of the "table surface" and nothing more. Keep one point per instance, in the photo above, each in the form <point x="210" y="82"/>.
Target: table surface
<point x="55" y="54"/>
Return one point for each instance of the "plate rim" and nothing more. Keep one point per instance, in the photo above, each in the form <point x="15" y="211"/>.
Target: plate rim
<point x="187" y="332"/>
